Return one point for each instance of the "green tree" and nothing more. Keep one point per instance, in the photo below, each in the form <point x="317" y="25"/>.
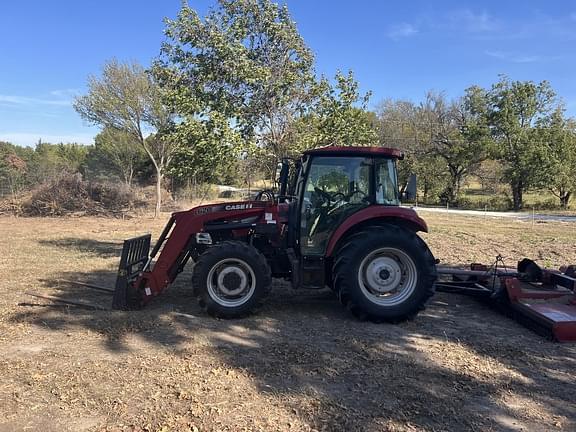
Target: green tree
<point x="13" y="168"/>
<point x="339" y="116"/>
<point x="126" y="98"/>
<point x="22" y="167"/>
<point x="512" y="110"/>
<point x="558" y="134"/>
<point x="244" y="67"/>
<point x="457" y="136"/>
<point x="343" y="115"/>
<point x="206" y="154"/>
<point x="119" y="152"/>
<point x="401" y="124"/>
<point x="48" y="161"/>
<point x="73" y="155"/>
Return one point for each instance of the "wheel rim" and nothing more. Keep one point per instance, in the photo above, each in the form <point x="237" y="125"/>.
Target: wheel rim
<point x="387" y="276"/>
<point x="231" y="282"/>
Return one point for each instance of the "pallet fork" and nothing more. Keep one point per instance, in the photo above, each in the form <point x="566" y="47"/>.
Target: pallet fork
<point x="133" y="261"/>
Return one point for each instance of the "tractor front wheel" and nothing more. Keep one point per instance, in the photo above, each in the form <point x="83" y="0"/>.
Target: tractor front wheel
<point x="384" y="273"/>
<point x="230" y="279"/>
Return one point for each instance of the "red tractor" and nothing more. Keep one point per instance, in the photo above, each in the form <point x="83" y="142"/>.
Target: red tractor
<point x="336" y="221"/>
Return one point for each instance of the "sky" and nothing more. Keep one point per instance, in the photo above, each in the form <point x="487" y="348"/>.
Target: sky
<point x="397" y="50"/>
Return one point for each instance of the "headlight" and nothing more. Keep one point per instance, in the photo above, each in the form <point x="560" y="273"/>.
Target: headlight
<point x="203" y="238"/>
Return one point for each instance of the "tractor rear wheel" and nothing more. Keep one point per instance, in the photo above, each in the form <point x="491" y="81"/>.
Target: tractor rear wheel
<point x="230" y="279"/>
<point x="384" y="273"/>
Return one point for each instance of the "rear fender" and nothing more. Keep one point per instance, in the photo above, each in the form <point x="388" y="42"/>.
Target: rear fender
<point x="376" y="215"/>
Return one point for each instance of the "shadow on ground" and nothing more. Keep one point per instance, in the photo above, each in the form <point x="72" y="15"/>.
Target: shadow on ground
<point x="450" y="369"/>
<point x="104" y="249"/>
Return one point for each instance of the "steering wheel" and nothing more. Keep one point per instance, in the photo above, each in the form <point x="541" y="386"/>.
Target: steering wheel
<point x="264" y="195"/>
<point x="357" y="191"/>
<point x="328" y="196"/>
<point x="323" y="194"/>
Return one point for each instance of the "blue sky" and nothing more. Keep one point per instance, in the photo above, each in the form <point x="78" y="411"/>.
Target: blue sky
<point x="396" y="49"/>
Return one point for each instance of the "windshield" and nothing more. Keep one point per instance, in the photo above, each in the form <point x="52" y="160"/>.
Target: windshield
<point x="336" y="187"/>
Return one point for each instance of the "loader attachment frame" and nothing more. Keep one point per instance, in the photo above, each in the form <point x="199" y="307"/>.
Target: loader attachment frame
<point x="134" y="258"/>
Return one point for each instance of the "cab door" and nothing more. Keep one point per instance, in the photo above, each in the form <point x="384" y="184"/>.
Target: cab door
<point x="336" y="187"/>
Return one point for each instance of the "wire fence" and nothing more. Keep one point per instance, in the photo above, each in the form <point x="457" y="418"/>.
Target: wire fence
<point x="5" y="188"/>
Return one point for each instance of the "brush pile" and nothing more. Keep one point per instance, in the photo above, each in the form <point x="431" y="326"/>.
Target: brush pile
<point x="69" y="194"/>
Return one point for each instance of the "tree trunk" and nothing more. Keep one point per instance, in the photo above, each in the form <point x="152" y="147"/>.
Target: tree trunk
<point x="426" y="191"/>
<point x="457" y="185"/>
<point x="158" y="193"/>
<point x="517" y="190"/>
<point x="453" y="189"/>
<point x="130" y="177"/>
<point x="565" y="199"/>
<point x="126" y="177"/>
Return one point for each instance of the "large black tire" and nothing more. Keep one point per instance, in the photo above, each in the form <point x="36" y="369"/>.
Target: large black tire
<point x="384" y="273"/>
<point x="231" y="279"/>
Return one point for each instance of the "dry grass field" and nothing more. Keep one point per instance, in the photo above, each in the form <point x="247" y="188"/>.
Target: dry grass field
<point x="300" y="364"/>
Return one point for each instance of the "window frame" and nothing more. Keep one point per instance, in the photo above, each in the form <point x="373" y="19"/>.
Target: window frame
<point x="391" y="163"/>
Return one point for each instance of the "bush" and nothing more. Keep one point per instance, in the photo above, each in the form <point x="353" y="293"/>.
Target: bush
<point x="490" y="203"/>
<point x="149" y="196"/>
<point x="113" y="197"/>
<point x="201" y="191"/>
<point x="69" y="194"/>
<point x="544" y="204"/>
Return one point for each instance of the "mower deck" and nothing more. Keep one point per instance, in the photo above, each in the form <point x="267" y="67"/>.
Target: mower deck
<point x="558" y="320"/>
<point x="549" y="306"/>
<point x="542" y="300"/>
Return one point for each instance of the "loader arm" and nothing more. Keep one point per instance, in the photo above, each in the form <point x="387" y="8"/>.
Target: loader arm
<point x="186" y="234"/>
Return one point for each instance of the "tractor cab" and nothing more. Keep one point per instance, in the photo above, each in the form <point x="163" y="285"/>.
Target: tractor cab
<point x="326" y="188"/>
<point x="332" y="186"/>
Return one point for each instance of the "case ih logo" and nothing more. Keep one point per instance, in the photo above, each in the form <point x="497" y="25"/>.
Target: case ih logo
<point x="238" y="207"/>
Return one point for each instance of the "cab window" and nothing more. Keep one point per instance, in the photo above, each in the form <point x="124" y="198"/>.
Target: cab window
<point x="335" y="188"/>
<point x="386" y="183"/>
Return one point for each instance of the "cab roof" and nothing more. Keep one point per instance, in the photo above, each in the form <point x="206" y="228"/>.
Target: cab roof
<point x="356" y="151"/>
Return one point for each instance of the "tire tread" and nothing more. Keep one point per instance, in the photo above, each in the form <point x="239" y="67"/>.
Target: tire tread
<point x="344" y="261"/>
<point x="238" y="249"/>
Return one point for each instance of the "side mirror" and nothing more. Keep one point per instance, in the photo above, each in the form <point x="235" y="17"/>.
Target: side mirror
<point x="410" y="191"/>
<point x="283" y="171"/>
<point x="278" y="172"/>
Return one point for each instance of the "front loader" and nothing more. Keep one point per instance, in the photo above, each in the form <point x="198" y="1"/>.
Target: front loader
<point x="336" y="221"/>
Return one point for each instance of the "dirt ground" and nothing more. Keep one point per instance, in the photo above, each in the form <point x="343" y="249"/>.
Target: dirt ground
<point x="301" y="363"/>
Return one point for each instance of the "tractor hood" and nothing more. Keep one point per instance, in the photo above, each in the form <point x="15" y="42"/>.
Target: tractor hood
<point x="222" y="209"/>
